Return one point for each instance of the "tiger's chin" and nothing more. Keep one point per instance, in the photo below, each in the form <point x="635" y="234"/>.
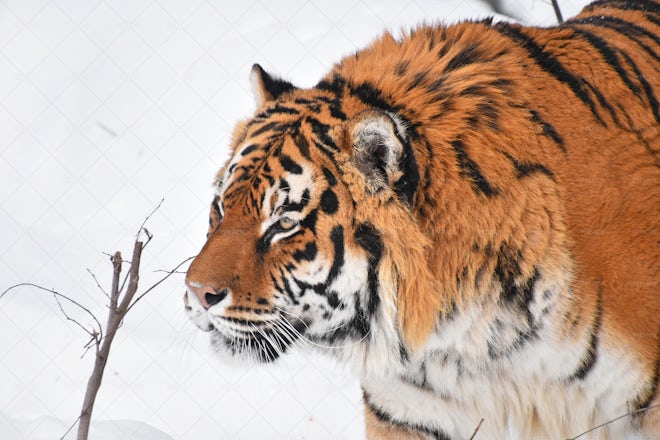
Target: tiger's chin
<point x="253" y="342"/>
<point x="253" y="348"/>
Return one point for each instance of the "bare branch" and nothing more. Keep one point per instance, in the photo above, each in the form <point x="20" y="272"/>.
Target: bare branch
<point x="115" y="317"/>
<point x="555" y="6"/>
<point x="56" y="294"/>
<point x="134" y="277"/>
<point x="116" y="273"/>
<point x="631" y="413"/>
<point x="169" y="274"/>
<point x="474" y="434"/>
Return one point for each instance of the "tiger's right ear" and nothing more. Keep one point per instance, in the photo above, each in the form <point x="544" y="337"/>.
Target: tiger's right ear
<point x="382" y="153"/>
<point x="267" y="88"/>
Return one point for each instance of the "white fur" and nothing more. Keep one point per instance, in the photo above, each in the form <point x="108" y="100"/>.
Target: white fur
<point x="453" y="383"/>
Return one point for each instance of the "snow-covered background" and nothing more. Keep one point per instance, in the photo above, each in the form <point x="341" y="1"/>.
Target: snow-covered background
<point x="107" y="107"/>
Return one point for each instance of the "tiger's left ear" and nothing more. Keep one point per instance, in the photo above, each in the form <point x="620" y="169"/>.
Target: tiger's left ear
<point x="267" y="88"/>
<point x="382" y="153"/>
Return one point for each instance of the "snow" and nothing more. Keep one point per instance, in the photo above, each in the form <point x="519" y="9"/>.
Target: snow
<point x="107" y="107"/>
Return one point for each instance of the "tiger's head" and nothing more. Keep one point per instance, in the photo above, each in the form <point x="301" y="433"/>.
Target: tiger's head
<point x="311" y="232"/>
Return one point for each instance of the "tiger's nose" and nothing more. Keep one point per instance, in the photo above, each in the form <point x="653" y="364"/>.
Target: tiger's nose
<point x="207" y="295"/>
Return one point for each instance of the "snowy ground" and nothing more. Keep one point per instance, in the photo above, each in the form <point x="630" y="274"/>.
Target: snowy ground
<point x="106" y="107"/>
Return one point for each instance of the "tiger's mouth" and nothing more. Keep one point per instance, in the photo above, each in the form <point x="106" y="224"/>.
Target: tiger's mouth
<point x="252" y="337"/>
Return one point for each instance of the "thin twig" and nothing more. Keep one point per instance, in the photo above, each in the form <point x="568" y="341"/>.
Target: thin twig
<point x="555" y="6"/>
<point x="632" y="413"/>
<point x="179" y="272"/>
<point x="476" y="429"/>
<point x="75" y="422"/>
<point x="97" y="283"/>
<point x="169" y="274"/>
<point x="142" y="228"/>
<point x="56" y="294"/>
<point x="93" y="335"/>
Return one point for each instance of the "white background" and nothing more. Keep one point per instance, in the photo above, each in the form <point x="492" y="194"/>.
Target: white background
<point x="107" y="107"/>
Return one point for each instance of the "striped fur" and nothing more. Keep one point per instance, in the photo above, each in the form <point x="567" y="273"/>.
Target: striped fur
<point x="468" y="215"/>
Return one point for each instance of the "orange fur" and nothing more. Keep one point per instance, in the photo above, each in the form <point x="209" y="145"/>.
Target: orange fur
<point x="535" y="153"/>
<point x="604" y="208"/>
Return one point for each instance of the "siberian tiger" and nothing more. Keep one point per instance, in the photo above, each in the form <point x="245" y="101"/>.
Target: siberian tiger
<point x="469" y="215"/>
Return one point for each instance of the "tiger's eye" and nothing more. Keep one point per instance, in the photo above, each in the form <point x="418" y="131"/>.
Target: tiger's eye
<point x="286" y="223"/>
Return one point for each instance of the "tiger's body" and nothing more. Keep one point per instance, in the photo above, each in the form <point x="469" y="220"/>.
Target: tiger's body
<point x="470" y="216"/>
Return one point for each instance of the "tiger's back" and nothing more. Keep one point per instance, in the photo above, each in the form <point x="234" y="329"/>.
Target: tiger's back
<point x="494" y="220"/>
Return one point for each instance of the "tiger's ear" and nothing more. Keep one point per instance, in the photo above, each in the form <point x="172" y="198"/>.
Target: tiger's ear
<point x="267" y="88"/>
<point x="382" y="153"/>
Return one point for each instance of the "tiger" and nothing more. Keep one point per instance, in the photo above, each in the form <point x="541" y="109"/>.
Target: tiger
<point x="468" y="215"/>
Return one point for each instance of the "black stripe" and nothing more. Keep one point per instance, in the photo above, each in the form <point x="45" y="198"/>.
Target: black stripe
<point x="374" y="98"/>
<point x="548" y="130"/>
<point x="624" y="28"/>
<point x="603" y="102"/>
<point x="309" y="222"/>
<point x="289" y="206"/>
<point x="653" y="19"/>
<point x="591" y="353"/>
<point x="335" y="86"/>
<point x="277" y="109"/>
<point x="406" y="187"/>
<point x="371" y="96"/>
<point x="303" y="145"/>
<point x="307" y="254"/>
<point x="644" y="401"/>
<point x="524" y="169"/>
<point x="275" y="126"/>
<point x="332" y="180"/>
<point x="648" y="90"/>
<point x="468" y="55"/>
<point x="518" y="296"/>
<point x="249" y="149"/>
<point x="400" y="69"/>
<point x="290" y="165"/>
<point x="470" y="169"/>
<point x="437" y="86"/>
<point x="548" y="63"/>
<point x="288" y="290"/>
<point x="337" y="239"/>
<point x="369" y="239"/>
<point x="321" y="131"/>
<point x="216" y="208"/>
<point x="384" y="416"/>
<point x="609" y="56"/>
<point x="360" y="322"/>
<point x="418" y="79"/>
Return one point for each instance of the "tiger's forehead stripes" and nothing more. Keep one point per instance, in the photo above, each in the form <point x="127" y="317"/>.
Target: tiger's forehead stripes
<point x="270" y="140"/>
